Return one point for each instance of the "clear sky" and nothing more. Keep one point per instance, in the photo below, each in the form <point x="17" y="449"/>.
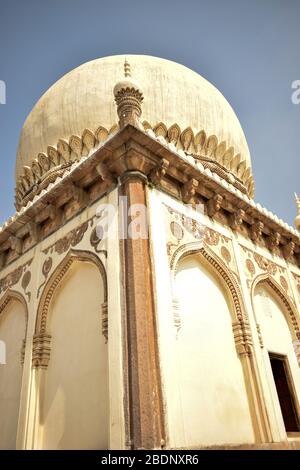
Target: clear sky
<point x="250" y="50"/>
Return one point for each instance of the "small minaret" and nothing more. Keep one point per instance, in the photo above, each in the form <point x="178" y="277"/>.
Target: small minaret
<point x="129" y="97"/>
<point x="297" y="219"/>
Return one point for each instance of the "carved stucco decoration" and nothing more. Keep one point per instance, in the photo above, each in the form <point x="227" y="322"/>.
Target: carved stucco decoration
<point x="182" y="229"/>
<point x="215" y="155"/>
<point x="12" y="278"/>
<point x="47" y="167"/>
<point x="4" y="301"/>
<point x="25" y="283"/>
<point x="73" y="238"/>
<point x="42" y="339"/>
<point x="47" y="266"/>
<point x="256" y="264"/>
<point x="95" y="241"/>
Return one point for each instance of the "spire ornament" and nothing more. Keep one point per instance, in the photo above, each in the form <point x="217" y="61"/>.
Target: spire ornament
<point x="128" y="97"/>
<point x="297" y="219"/>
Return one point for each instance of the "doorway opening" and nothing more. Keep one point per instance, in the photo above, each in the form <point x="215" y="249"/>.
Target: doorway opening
<point x="285" y="392"/>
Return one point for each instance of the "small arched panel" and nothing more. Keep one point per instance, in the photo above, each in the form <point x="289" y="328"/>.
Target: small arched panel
<point x="13" y="316"/>
<point x="75" y="404"/>
<point x="277" y="320"/>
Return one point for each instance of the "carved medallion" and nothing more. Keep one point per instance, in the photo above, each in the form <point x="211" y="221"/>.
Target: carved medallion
<point x="211" y="237"/>
<point x="284" y="283"/>
<point x="250" y="266"/>
<point x="177" y="230"/>
<point x="225" y="253"/>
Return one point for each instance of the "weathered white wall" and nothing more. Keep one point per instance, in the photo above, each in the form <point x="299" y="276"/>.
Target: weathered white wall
<point x="212" y="389"/>
<point x="75" y="408"/>
<point x="180" y="408"/>
<point x="12" y="332"/>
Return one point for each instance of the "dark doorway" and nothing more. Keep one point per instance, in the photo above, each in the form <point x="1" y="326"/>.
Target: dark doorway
<point x="285" y="393"/>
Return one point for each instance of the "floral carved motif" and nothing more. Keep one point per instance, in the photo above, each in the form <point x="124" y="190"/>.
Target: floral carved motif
<point x="14" y="277"/>
<point x="47" y="266"/>
<point x="95" y="241"/>
<point x="265" y="264"/>
<point x="71" y="239"/>
<point x="25" y="283"/>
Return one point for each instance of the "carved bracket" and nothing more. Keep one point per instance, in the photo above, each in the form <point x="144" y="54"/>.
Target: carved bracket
<point x="288" y="249"/>
<point x="16" y="244"/>
<point x="236" y="219"/>
<point x="256" y="230"/>
<point x="214" y="204"/>
<point x="274" y="240"/>
<point x="188" y="191"/>
<point x="159" y="171"/>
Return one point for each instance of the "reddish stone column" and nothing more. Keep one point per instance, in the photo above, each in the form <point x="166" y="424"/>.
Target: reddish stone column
<point x="144" y="401"/>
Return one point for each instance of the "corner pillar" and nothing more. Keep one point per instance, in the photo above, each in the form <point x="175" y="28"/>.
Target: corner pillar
<point x="144" y="396"/>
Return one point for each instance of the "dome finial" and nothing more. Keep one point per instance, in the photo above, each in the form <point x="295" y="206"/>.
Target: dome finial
<point x="129" y="97"/>
<point x="297" y="219"/>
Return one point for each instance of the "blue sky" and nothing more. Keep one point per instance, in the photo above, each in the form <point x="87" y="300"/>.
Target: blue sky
<point x="250" y="50"/>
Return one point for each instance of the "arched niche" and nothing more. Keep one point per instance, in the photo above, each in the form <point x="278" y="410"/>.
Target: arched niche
<point x="74" y="401"/>
<point x="214" y="335"/>
<point x="266" y="287"/>
<point x="13" y="325"/>
<point x="277" y="319"/>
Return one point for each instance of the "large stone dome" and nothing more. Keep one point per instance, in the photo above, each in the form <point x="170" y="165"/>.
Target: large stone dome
<point x="83" y="99"/>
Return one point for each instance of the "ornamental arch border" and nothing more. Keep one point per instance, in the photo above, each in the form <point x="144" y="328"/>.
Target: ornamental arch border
<point x="219" y="269"/>
<point x="7" y="297"/>
<point x="55" y="279"/>
<point x="289" y="310"/>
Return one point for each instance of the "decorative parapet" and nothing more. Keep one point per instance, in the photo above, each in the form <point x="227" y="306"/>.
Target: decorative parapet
<point x="47" y="167"/>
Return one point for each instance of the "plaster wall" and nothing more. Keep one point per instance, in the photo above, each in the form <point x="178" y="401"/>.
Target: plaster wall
<point x="12" y="333"/>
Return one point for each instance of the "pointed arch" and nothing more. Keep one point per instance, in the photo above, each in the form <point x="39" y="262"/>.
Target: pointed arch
<point x="221" y="271"/>
<point x="288" y="308"/>
<point x="240" y="326"/>
<point x="4" y="301"/>
<point x="55" y="279"/>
